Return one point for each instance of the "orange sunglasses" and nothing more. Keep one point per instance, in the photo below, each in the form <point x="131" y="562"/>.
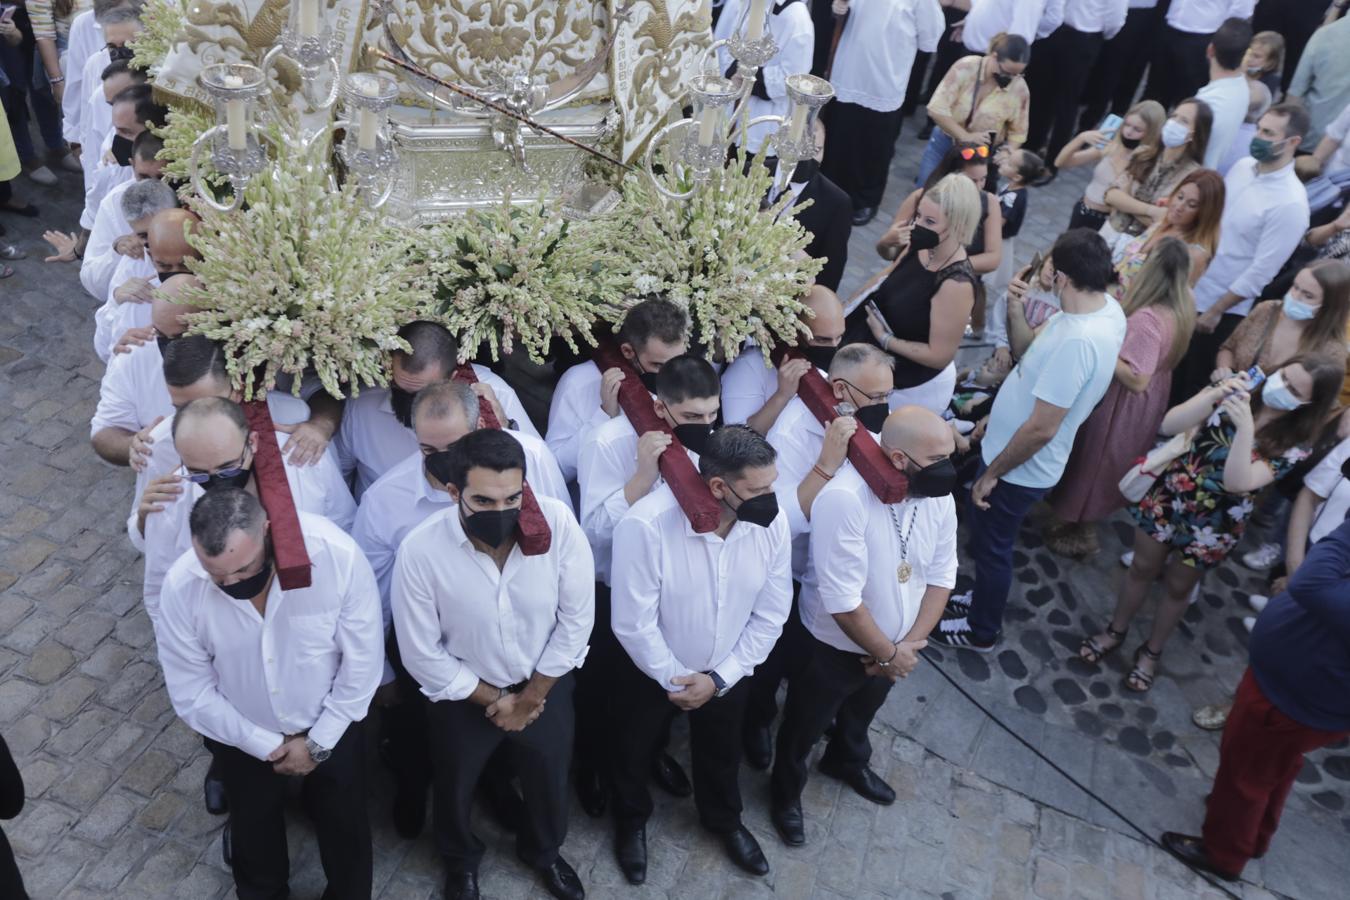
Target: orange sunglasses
<point x="969" y="153"/>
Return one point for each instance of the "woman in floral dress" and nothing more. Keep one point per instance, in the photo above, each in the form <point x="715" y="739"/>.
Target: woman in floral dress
<point x="1197" y="510"/>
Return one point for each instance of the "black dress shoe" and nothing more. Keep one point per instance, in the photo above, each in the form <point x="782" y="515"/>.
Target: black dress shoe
<point x="1191" y="850"/>
<point x="213" y="790"/>
<point x="592" y="794"/>
<point x="562" y="881"/>
<point x="504" y="803"/>
<point x="630" y="847"/>
<point x="410" y="809"/>
<point x="227" y="846"/>
<point x="866" y="783"/>
<point x="758" y="746"/>
<point x="669" y="776"/>
<point x="790" y="824"/>
<point x="744" y="851"/>
<point x="461" y="886"/>
<point x="864" y="215"/>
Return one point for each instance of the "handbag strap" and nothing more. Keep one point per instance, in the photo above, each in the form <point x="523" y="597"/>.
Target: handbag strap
<point x="1265" y="336"/>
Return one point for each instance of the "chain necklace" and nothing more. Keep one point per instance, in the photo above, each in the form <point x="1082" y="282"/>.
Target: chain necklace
<point x="904" y="570"/>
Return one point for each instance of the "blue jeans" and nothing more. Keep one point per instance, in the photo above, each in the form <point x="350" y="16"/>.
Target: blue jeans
<point x="938" y="144"/>
<point x="992" y="534"/>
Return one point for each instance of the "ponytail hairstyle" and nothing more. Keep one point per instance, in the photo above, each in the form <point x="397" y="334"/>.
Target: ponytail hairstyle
<point x="1301" y="426"/>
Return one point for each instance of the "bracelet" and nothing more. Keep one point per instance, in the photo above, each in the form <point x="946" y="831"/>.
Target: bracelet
<point x="886" y="664"/>
<point x="815" y="467"/>
<point x="51" y="80"/>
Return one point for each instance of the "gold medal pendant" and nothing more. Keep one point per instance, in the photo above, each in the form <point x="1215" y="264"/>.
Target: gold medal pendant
<point x="903" y="571"/>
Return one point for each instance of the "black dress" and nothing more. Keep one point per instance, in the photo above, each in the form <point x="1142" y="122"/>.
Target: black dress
<point x="11" y="803"/>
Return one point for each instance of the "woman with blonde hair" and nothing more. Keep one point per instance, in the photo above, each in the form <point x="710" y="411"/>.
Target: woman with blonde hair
<point x="917" y="308"/>
<point x="1134" y="144"/>
<point x="1160" y="317"/>
<point x="1135" y="198"/>
<point x="1194" y="210"/>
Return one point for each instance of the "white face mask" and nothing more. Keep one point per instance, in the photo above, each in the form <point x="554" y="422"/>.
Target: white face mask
<point x="1174" y="134"/>
<point x="1276" y="394"/>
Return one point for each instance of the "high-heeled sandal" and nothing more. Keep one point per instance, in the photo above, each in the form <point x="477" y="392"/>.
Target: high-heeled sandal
<point x="1093" y="653"/>
<point x="1138" y="680"/>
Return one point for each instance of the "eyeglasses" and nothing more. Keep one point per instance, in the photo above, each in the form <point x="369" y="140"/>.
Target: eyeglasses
<point x="232" y="470"/>
<point x="870" y="398"/>
<point x="969" y="153"/>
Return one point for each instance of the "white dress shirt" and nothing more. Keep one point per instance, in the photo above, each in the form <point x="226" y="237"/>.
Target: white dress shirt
<point x="96" y="116"/>
<point x="1264" y="217"/>
<point x="460" y="620"/>
<point x="876" y="50"/>
<point x="311" y="662"/>
<point x="98" y="183"/>
<point x="112" y="319"/>
<point x="608" y="461"/>
<point x="685" y="602"/>
<point x="1052" y="16"/>
<point x="100" y="259"/>
<point x="746" y="385"/>
<point x="1205" y="16"/>
<point x="855" y="558"/>
<point x="1228" y="99"/>
<point x="989" y="17"/>
<point x="86" y="39"/>
<point x="132" y="394"/>
<point x="794" y="32"/>
<point x="797" y="436"/>
<point x="1105" y="17"/>
<point x="573" y="413"/>
<point x="372" y="440"/>
<point x="1327" y="481"/>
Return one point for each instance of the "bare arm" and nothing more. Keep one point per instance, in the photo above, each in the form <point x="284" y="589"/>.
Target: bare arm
<point x="951" y="307"/>
<point x="1325" y="148"/>
<point x="1194" y="411"/>
<point x="862" y="630"/>
<point x="1133" y="382"/>
<point x="1027" y="441"/>
<point x="1300" y="525"/>
<point x="896" y="236"/>
<point x="113" y="445"/>
<point x="1081" y="151"/>
<point x="1121" y="200"/>
<point x="1199" y="263"/>
<point x="988" y="260"/>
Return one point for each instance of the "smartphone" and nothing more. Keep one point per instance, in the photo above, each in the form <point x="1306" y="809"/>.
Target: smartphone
<point x="871" y="304"/>
<point x="1110" y="125"/>
<point x="1254" y="378"/>
<point x="7" y="13"/>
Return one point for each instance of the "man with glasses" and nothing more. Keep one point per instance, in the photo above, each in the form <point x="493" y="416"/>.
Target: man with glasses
<point x="127" y="304"/>
<point x="876" y="584"/>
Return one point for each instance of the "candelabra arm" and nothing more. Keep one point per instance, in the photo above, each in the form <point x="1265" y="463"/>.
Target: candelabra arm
<point x="649" y="158"/>
<point x="238" y="182"/>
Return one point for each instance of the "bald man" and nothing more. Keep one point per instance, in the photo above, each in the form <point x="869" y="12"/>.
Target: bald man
<point x="754" y="393"/>
<point x="876" y="584"/>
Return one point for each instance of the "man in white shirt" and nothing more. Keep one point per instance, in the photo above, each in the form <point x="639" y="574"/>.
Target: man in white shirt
<point x="111" y="229"/>
<point x="1060" y="63"/>
<point x="376" y="431"/>
<point x="790" y="25"/>
<point x="754" y="393"/>
<point x="877" y="583"/>
<point x="127" y="303"/>
<point x="1024" y="18"/>
<point x="870" y="76"/>
<point x="85" y="39"/>
<point x="653" y="331"/>
<point x="134" y="112"/>
<point x="1031" y="428"/>
<point x="1265" y="214"/>
<point x="278" y="682"/>
<point x="1333" y="151"/>
<point x="696" y="613"/>
<point x="87" y="96"/>
<point x="1227" y="93"/>
<point x="1180" y="63"/>
<point x="491" y="634"/>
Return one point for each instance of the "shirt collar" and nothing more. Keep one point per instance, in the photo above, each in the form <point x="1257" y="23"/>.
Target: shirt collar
<point x="387" y="402"/>
<point x="1278" y="174"/>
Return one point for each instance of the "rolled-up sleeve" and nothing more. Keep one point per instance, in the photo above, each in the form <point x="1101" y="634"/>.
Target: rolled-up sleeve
<point x="418" y="628"/>
<point x="567" y="645"/>
<point x="839" y="550"/>
<point x="360" y="640"/>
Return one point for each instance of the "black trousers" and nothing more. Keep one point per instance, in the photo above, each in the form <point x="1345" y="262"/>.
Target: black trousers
<point x="831" y="687"/>
<point x="1086" y="217"/>
<point x="1295" y="21"/>
<point x="1120" y="66"/>
<point x="334" y="795"/>
<point x="1056" y="77"/>
<point x="594" y="682"/>
<point x="858" y="150"/>
<point x="1192" y="373"/>
<point x="405" y="725"/>
<point x="1179" y="66"/>
<point x="462" y="741"/>
<point x="916" y="94"/>
<point x="640" y="715"/>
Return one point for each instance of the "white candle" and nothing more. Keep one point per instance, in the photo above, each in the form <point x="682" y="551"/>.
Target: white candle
<point x="309" y="18"/>
<point x="754" y="26"/>
<point x="236" y="118"/>
<point x="798" y="123"/>
<point x="708" y="124"/>
<point x="367" y="124"/>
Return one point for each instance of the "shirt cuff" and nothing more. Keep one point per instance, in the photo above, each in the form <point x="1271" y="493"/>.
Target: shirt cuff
<point x="262" y="742"/>
<point x="839" y="603"/>
<point x="328" y="730"/>
<point x="461" y="687"/>
<point x="731" y="671"/>
<point x="555" y="664"/>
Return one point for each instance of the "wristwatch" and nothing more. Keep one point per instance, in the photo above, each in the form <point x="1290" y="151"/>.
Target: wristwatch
<point x="719" y="684"/>
<point x="316" y="753"/>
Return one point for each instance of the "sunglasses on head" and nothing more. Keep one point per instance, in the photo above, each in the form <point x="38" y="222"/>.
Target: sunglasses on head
<point x="969" y="153"/>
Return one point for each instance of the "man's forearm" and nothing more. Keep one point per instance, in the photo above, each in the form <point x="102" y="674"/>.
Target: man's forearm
<point x="325" y="410"/>
<point x="762" y="421"/>
<point x="538" y="687"/>
<point x="862" y="630"/>
<point x="930" y="613"/>
<point x="113" y="445"/>
<point x="1227" y="302"/>
<point x="485" y="694"/>
<point x="1026" y="442"/>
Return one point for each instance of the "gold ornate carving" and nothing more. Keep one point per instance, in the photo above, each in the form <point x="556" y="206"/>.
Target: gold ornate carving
<point x="656" y="52"/>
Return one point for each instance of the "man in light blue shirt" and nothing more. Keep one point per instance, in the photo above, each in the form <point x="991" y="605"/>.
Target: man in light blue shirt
<point x="1322" y="79"/>
<point x="1031" y="429"/>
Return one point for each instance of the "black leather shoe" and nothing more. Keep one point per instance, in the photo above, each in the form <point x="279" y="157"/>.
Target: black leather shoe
<point x="1191" y="850"/>
<point x="461" y="886"/>
<point x="864" y="215"/>
<point x="410" y="809"/>
<point x="758" y="746"/>
<point x="592" y="794"/>
<point x="790" y="824"/>
<point x="213" y="790"/>
<point x="744" y="851"/>
<point x="866" y="783"/>
<point x="504" y="803"/>
<point x="562" y="881"/>
<point x="630" y="848"/>
<point x="669" y="776"/>
<point x="227" y="846"/>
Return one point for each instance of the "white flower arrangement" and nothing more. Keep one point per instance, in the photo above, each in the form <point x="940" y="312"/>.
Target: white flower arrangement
<point x="304" y="278"/>
<point x="161" y="28"/>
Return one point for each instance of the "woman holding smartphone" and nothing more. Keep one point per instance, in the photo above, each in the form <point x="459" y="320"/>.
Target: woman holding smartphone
<point x="1134" y="141"/>
<point x="917" y="308"/>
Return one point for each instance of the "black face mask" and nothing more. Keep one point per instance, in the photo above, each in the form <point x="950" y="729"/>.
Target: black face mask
<point x="935" y="480"/>
<point x="820" y="357"/>
<point x="922" y="238"/>
<point x="805" y="171"/>
<point x="695" y="437"/>
<point x="873" y="416"/>
<point x="216" y="482"/>
<point x="1003" y="80"/>
<point x="121" y="150"/>
<point x="1129" y="143"/>
<point x="761" y="510"/>
<point x="163" y="340"/>
<point x="250" y="587"/>
<point x="490" y="526"/>
<point x="438" y="465"/>
<point x="401" y="401"/>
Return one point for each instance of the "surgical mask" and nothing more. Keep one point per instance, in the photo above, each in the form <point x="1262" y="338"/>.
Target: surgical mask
<point x="1129" y="143"/>
<point x="820" y="357"/>
<point x="923" y="238"/>
<point x="1002" y="80"/>
<point x="1174" y="134"/>
<point x="1276" y="394"/>
<point x="695" y="437"/>
<point x="1298" y="310"/>
<point x="1255" y="71"/>
<point x="760" y="510"/>
<point x="935" y="480"/>
<point x="402" y="402"/>
<point x="438" y="465"/>
<point x="121" y="150"/>
<point x="1262" y="149"/>
<point x="248" y="588"/>
<point x="491" y="526"/>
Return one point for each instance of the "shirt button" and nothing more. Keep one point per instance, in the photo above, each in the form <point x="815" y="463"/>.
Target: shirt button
<point x="275" y="691"/>
<point x="270" y="660"/>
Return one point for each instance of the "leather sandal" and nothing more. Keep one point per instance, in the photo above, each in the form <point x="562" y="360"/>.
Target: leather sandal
<point x="1090" y="651"/>
<point x="1138" y="680"/>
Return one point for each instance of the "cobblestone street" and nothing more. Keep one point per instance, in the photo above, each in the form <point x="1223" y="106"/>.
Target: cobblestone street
<point x="114" y="780"/>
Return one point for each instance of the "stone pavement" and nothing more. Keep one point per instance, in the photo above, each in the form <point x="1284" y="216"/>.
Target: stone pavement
<point x="114" y="780"/>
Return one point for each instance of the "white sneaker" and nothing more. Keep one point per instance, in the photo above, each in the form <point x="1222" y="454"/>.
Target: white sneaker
<point x="1127" y="558"/>
<point x="959" y="604"/>
<point x="1249" y="622"/>
<point x="1263" y="557"/>
<point x="43" y="176"/>
<point x="1257" y="602"/>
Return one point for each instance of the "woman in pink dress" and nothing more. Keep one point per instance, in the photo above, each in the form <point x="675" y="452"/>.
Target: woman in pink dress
<point x="1160" y="318"/>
